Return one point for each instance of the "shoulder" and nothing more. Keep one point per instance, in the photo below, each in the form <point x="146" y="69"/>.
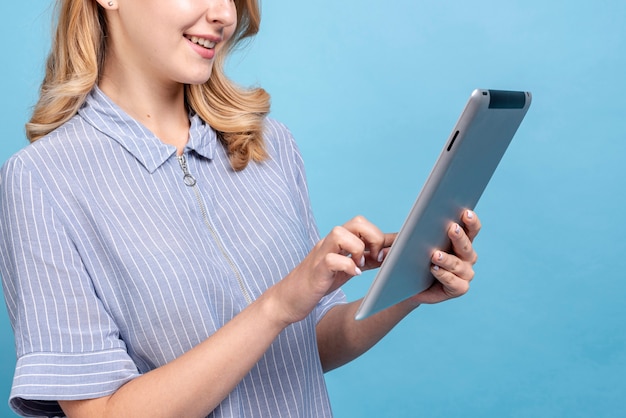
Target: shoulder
<point x="279" y="140"/>
<point x="66" y="143"/>
<point x="284" y="154"/>
<point x="277" y="133"/>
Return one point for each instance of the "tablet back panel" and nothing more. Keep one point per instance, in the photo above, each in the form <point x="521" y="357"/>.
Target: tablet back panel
<point x="456" y="182"/>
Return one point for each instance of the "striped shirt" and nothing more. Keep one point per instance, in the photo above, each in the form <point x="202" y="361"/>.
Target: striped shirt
<point x="117" y="257"/>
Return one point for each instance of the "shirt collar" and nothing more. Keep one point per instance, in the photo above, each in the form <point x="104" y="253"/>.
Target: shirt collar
<point x="107" y="117"/>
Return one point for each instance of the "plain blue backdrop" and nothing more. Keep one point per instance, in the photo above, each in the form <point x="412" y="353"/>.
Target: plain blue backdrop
<point x="371" y="91"/>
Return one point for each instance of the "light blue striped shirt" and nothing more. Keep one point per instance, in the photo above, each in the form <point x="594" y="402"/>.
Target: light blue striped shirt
<point x="115" y="263"/>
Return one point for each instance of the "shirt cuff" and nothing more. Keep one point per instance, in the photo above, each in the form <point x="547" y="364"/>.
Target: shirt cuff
<point x="42" y="379"/>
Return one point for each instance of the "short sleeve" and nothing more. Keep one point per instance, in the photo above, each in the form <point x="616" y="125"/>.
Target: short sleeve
<point x="67" y="345"/>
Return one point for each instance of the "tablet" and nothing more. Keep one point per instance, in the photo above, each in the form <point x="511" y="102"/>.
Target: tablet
<point x="464" y="167"/>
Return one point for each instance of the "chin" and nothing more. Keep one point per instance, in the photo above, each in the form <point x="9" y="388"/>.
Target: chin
<point x="195" y="83"/>
<point x="199" y="78"/>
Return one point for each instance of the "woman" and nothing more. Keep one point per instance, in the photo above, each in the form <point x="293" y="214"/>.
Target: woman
<point x="159" y="255"/>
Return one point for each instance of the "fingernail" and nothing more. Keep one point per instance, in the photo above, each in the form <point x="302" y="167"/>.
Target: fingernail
<point x="470" y="214"/>
<point x="362" y="261"/>
<point x="381" y="256"/>
<point x="457" y="229"/>
<point x="358" y="271"/>
<point x="436" y="268"/>
<point x="439" y="256"/>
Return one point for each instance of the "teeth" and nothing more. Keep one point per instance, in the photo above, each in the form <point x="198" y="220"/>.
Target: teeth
<point x="202" y="42"/>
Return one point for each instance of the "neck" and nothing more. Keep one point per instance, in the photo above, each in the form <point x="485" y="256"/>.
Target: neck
<point x="160" y="107"/>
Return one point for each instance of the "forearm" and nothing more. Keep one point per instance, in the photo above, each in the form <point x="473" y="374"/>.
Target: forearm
<point x="195" y="383"/>
<point x="341" y="338"/>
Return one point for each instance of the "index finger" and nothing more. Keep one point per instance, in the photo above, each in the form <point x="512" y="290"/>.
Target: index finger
<point x="388" y="242"/>
<point x="372" y="237"/>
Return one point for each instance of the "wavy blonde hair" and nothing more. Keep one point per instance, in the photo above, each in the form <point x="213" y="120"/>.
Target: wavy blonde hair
<point x="77" y="58"/>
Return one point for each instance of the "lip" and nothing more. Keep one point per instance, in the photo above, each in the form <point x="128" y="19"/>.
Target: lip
<point x="200" y="50"/>
<point x="212" y="38"/>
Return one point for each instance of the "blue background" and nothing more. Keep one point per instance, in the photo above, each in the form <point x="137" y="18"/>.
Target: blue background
<point x="371" y="91"/>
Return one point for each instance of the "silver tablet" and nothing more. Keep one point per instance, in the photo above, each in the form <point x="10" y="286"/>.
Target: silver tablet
<point x="456" y="182"/>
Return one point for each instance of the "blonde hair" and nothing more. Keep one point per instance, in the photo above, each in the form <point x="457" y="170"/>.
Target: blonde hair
<point x="77" y="58"/>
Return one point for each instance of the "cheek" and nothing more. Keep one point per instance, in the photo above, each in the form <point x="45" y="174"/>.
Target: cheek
<point x="229" y="31"/>
<point x="228" y="34"/>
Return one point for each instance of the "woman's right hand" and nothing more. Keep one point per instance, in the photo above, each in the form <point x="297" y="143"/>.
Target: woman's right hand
<point x="344" y="253"/>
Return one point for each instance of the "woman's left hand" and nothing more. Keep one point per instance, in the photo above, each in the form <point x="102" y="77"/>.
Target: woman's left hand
<point x="455" y="270"/>
<point x="340" y="338"/>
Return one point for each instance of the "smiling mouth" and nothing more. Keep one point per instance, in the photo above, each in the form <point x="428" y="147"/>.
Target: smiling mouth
<point x="205" y="43"/>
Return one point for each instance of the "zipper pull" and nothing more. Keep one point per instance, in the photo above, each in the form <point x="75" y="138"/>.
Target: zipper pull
<point x="188" y="178"/>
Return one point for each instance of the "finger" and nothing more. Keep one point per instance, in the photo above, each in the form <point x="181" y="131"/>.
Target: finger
<point x="452" y="285"/>
<point x="472" y="224"/>
<point x="341" y="241"/>
<point x="390" y="238"/>
<point x="338" y="269"/>
<point x="461" y="244"/>
<point x="336" y="263"/>
<point x="453" y="264"/>
<point x="372" y="237"/>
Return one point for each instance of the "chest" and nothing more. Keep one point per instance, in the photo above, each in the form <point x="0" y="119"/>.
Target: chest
<point x="178" y="258"/>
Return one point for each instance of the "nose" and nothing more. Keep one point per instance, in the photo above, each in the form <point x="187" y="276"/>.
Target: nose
<point x="222" y="12"/>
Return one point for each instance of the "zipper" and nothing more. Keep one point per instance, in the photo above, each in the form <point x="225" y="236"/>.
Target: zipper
<point x="190" y="181"/>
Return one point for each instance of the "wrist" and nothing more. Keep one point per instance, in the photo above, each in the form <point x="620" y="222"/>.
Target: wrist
<point x="273" y="310"/>
<point x="409" y="305"/>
